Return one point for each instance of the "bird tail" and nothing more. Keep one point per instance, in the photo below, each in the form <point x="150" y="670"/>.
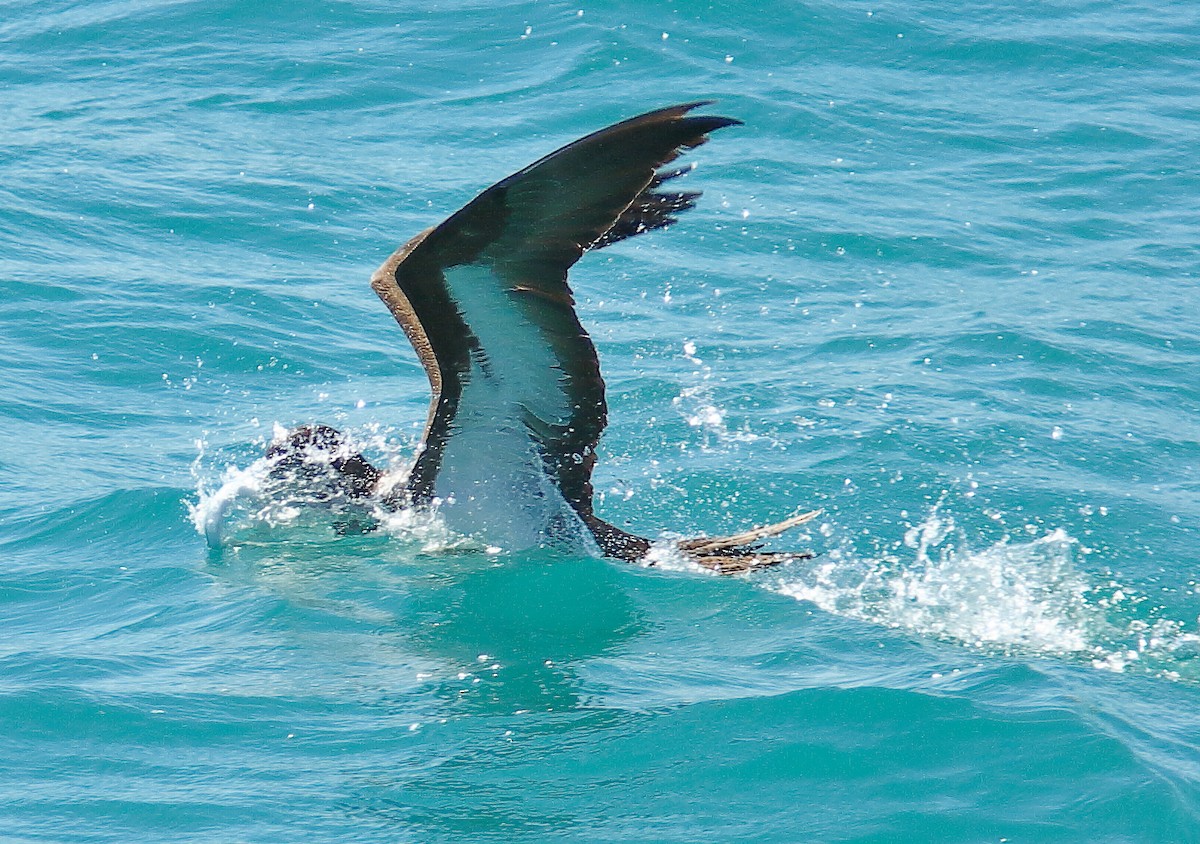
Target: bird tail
<point x="734" y="554"/>
<point x="740" y="552"/>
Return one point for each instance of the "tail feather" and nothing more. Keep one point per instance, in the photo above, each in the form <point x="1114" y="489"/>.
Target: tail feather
<point x="746" y="539"/>
<point x="739" y="552"/>
<point x="753" y="561"/>
<point x="734" y="554"/>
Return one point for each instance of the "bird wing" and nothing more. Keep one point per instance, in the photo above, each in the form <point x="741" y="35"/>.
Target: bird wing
<point x="483" y="297"/>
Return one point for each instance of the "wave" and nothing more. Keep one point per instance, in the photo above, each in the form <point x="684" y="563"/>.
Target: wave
<point x="1012" y="597"/>
<point x="126" y="518"/>
<point x="1019" y="597"/>
<point x="252" y="505"/>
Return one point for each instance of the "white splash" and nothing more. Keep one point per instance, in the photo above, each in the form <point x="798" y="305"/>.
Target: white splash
<point x="665" y="554"/>
<point x="211" y="510"/>
<point x="1015" y="597"/>
<point x="427" y="531"/>
<point x="248" y="504"/>
<point x="698" y="408"/>
<point x="1023" y="595"/>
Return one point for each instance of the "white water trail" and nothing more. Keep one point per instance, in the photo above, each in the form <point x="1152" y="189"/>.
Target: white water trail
<point x="1016" y="597"/>
<point x="1024" y="596"/>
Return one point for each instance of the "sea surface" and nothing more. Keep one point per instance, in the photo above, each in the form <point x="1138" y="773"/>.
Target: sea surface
<point x="942" y="285"/>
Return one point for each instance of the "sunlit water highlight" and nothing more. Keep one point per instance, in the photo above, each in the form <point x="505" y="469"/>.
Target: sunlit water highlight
<point x="941" y="286"/>
<point x="1012" y="597"/>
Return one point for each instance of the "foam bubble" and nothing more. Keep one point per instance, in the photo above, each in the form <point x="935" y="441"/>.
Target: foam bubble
<point x="665" y="554"/>
<point x="700" y="411"/>
<point x="425" y="528"/>
<point x="211" y="510"/>
<point x="252" y="504"/>
<point x="1015" y="597"/>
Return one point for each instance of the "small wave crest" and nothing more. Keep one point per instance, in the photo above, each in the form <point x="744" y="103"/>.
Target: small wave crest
<point x="1016" y="597"/>
<point x="258" y="503"/>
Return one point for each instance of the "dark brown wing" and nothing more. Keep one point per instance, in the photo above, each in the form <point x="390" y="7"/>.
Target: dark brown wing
<point x="485" y="301"/>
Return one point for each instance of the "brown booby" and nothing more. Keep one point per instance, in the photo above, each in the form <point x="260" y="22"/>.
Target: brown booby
<point x="518" y="401"/>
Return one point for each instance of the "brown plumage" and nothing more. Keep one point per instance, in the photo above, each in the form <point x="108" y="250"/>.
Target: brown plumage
<point x="518" y="401"/>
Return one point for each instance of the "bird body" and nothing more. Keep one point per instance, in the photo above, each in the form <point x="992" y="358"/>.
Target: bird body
<point x="518" y="401"/>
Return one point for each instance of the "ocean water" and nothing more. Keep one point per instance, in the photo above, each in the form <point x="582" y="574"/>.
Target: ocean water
<point x="941" y="285"/>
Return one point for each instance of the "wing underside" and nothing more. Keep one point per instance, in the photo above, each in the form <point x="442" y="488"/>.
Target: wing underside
<point x="518" y="401"/>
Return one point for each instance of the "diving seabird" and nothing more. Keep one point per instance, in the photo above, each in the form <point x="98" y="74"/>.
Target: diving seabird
<point x="518" y="402"/>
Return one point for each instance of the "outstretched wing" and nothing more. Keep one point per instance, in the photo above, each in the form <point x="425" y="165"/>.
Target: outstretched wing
<point x="484" y="299"/>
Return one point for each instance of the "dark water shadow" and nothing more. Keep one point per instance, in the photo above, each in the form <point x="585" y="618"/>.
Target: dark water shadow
<point x="495" y="633"/>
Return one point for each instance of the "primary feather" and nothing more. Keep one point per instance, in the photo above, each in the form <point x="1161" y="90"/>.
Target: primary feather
<point x="518" y="402"/>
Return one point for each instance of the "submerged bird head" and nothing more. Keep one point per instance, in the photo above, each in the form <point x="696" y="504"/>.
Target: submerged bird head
<point x="321" y="459"/>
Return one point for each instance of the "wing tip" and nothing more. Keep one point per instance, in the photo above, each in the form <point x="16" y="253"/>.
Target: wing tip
<point x="653" y="208"/>
<point x="681" y="113"/>
<point x="686" y="108"/>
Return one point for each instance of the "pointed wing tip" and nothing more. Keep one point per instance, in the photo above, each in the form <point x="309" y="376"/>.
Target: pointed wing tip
<point x="683" y="111"/>
<point x="712" y="122"/>
<point x="702" y="125"/>
<point x="684" y="108"/>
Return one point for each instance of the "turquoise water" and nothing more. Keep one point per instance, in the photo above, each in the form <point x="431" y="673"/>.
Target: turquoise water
<point x="942" y="285"/>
